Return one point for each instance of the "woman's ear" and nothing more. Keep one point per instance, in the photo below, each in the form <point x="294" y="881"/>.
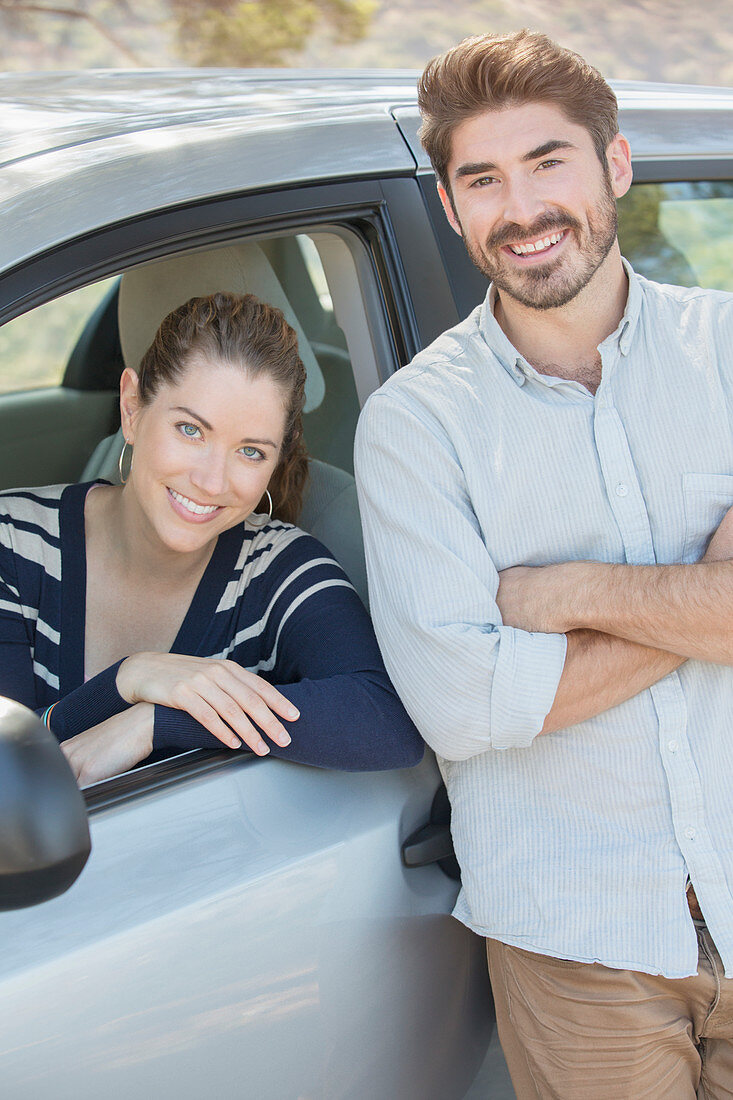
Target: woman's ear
<point x="130" y="403"/>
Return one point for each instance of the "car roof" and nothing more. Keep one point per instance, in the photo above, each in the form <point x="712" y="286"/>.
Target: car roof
<point x="83" y="150"/>
<point x="46" y="111"/>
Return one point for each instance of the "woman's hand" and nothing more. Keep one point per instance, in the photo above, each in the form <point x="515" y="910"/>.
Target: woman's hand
<point x="219" y="694"/>
<point x="112" y="747"/>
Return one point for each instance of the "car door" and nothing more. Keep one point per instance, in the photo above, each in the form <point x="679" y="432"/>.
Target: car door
<point x="245" y="926"/>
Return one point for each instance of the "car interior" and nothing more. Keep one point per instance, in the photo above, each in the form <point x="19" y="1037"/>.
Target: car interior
<point x="122" y="326"/>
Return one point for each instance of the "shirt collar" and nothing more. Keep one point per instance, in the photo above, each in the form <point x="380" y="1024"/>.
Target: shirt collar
<point x="518" y="367"/>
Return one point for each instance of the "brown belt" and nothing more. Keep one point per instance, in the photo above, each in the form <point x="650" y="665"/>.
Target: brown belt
<point x="695" y="910"/>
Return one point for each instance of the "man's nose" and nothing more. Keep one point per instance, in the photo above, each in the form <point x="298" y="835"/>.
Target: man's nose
<point x="522" y="202"/>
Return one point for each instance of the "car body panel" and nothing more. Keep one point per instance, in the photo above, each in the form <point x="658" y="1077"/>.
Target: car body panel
<point x="229" y="923"/>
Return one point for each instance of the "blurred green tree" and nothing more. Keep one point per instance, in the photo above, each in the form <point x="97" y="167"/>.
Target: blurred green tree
<point x="246" y="33"/>
<point x="253" y="33"/>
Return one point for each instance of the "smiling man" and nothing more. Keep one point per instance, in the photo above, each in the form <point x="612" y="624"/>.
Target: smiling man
<point x="544" y="493"/>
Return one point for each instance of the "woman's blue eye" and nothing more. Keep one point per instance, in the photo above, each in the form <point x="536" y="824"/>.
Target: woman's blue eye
<point x="189" y="430"/>
<point x="251" y="452"/>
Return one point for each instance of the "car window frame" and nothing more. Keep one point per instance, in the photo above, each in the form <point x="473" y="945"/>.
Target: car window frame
<point x="396" y="251"/>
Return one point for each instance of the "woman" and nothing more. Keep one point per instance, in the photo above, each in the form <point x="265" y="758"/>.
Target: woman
<point x="164" y="613"/>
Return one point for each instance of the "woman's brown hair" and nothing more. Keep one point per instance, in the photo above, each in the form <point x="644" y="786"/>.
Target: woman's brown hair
<point x="240" y="330"/>
<point x="490" y="72"/>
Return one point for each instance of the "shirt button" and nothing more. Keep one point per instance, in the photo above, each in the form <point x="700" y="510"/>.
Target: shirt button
<point x="672" y="746"/>
<point x="622" y="490"/>
<point x="690" y="832"/>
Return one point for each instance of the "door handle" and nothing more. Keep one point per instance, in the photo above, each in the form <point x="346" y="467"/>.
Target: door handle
<point x="427" y="845"/>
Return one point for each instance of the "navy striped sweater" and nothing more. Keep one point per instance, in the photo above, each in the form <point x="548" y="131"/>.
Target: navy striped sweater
<point x="273" y="600"/>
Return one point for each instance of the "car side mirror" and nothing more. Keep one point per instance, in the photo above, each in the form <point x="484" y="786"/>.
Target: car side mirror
<point x="44" y="833"/>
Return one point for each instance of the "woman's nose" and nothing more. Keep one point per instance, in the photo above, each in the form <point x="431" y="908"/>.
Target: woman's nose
<point x="209" y="473"/>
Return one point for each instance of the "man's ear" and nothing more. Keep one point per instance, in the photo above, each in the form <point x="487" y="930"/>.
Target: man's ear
<point x="449" y="211"/>
<point x="618" y="158"/>
<point x="130" y="403"/>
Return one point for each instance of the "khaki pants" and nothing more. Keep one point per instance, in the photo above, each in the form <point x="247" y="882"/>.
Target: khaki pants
<point x="582" y="1031"/>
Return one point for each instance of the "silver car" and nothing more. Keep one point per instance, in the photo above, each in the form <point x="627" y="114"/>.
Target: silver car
<point x="248" y="927"/>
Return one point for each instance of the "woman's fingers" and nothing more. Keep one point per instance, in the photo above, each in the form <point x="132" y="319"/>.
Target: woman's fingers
<point x="218" y="693"/>
<point x="274" y="699"/>
<point x="209" y="714"/>
<point x="252" y="701"/>
<point x="236" y="704"/>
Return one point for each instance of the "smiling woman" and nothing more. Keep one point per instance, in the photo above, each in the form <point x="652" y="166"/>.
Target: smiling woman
<point x="168" y="611"/>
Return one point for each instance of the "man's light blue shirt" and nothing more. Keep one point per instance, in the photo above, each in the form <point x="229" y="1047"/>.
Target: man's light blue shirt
<point x="578" y="843"/>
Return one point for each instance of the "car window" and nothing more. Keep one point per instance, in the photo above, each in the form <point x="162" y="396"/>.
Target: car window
<point x="327" y="283"/>
<point x="35" y="347"/>
<point x="680" y="232"/>
<point x="60" y="362"/>
<point x="322" y="280"/>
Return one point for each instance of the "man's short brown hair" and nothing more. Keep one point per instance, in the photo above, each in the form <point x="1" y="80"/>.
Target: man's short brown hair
<point x="490" y="71"/>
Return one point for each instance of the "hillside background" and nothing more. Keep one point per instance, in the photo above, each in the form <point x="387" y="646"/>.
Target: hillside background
<point x="669" y="40"/>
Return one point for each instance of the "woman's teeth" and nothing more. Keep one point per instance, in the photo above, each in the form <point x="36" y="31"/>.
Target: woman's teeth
<point x="191" y="506"/>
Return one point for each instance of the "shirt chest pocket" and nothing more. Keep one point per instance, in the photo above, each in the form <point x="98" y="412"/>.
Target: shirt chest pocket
<point x="706" y="497"/>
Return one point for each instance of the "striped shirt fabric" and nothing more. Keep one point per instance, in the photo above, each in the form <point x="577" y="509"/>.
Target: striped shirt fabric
<point x="576" y="844"/>
<point x="272" y="599"/>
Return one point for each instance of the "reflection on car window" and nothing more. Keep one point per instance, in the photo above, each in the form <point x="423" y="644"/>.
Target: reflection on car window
<point x="35" y="347"/>
<point x="680" y="232"/>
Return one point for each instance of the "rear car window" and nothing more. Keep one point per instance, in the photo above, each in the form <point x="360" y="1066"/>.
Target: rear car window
<point x="35" y="347"/>
<point x="680" y="232"/>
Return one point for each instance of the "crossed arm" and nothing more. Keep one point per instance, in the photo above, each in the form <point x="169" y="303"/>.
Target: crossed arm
<point x="627" y="626"/>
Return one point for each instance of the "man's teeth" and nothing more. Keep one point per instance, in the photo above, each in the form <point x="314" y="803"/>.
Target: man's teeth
<point x="537" y="246"/>
<point x="191" y="506"/>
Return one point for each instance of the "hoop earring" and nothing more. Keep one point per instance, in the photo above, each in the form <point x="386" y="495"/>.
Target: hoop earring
<point x="121" y="463"/>
<point x="264" y="522"/>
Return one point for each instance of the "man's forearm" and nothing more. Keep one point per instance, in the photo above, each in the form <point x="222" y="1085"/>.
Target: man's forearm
<point x="600" y="672"/>
<point x="683" y="609"/>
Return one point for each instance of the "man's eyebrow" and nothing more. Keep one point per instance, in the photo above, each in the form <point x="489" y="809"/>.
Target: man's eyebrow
<point x="485" y="167"/>
<point x="549" y="147"/>
<point x="479" y="169"/>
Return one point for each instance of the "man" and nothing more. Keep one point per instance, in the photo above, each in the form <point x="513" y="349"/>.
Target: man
<point x="537" y="489"/>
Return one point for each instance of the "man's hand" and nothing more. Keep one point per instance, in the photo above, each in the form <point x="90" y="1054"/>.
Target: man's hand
<point x="601" y="670"/>
<point x="534" y="598"/>
<point x="685" y="610"/>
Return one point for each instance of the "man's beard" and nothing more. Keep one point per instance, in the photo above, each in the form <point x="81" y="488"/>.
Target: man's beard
<point x="550" y="285"/>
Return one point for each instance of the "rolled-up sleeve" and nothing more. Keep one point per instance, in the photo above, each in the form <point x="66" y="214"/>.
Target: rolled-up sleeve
<point x="469" y="682"/>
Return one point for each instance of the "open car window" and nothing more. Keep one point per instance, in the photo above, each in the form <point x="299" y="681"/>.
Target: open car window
<point x="324" y="280"/>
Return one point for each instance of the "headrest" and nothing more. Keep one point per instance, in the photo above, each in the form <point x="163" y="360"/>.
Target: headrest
<point x="148" y="294"/>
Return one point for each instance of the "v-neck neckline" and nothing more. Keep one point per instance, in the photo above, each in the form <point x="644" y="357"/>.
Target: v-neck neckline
<point x="72" y="536"/>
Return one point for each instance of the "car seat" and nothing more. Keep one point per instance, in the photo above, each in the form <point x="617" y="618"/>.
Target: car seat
<point x="148" y="293"/>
